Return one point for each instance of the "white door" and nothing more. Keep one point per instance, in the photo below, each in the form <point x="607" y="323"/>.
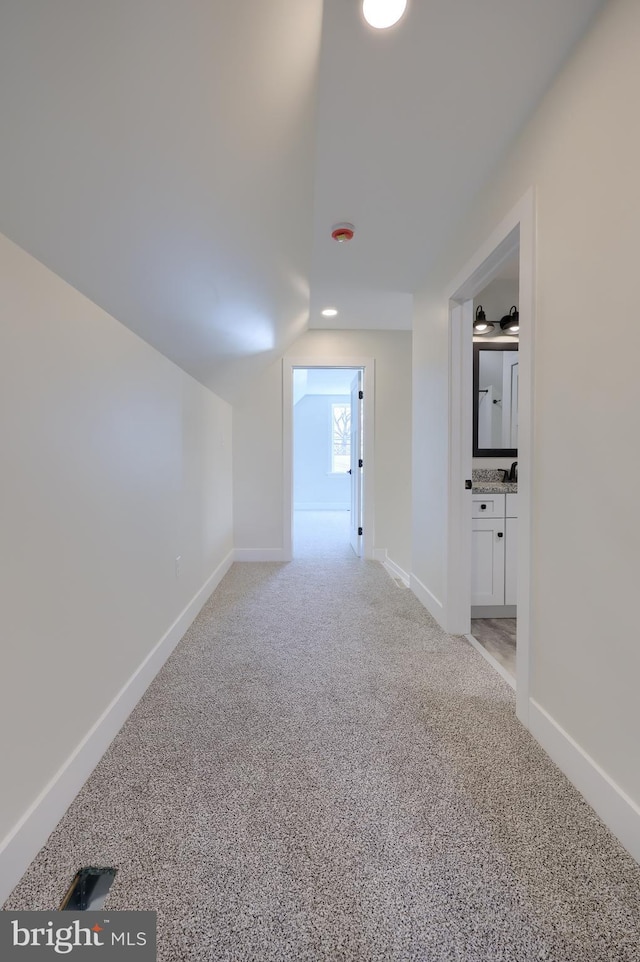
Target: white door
<point x="356" y="464"/>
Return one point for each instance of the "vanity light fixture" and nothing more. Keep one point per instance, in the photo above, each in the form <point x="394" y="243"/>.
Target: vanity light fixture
<point x="510" y="323"/>
<point x="383" y="13"/>
<point x="481" y="325"/>
<point x="329" y="312"/>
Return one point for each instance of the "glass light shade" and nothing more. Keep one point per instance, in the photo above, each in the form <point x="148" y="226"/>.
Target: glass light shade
<point x="383" y="13"/>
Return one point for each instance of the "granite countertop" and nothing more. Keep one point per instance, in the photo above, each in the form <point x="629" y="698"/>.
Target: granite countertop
<point x="489" y="481"/>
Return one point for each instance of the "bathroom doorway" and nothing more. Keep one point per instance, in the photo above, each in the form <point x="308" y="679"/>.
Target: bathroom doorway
<point x="494" y="514"/>
<point x="515" y="233"/>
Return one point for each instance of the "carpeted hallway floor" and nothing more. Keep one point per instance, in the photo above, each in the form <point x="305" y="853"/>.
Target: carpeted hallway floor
<point x="320" y="773"/>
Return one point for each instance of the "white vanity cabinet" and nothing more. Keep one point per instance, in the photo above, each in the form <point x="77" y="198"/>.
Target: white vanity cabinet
<point x="494" y="550"/>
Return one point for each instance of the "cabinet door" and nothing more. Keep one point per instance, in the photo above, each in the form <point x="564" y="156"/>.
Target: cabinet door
<point x="487" y="561"/>
<point x="511" y="562"/>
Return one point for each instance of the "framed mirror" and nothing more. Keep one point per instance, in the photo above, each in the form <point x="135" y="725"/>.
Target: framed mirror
<point x="495" y="399"/>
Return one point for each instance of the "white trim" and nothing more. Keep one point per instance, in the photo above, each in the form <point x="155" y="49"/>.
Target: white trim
<point x="391" y="567"/>
<point x="457" y="612"/>
<point x="518" y="228"/>
<point x="433" y="605"/>
<point x="367" y="364"/>
<point x="26" y="838"/>
<point x="619" y="812"/>
<point x="260" y="554"/>
<point x="502" y="671"/>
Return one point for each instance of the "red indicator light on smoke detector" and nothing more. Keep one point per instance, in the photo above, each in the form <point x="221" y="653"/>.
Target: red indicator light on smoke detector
<point x="343" y="232"/>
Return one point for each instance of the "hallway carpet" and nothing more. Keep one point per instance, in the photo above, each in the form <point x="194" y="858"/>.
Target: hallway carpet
<point x="320" y="773"/>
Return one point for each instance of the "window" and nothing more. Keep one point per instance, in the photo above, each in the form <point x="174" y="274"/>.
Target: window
<point x="340" y="438"/>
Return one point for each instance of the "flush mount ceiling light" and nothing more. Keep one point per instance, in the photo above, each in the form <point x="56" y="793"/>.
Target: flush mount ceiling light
<point x="329" y="312"/>
<point x="481" y="325"/>
<point x="383" y="13"/>
<point x="510" y="323"/>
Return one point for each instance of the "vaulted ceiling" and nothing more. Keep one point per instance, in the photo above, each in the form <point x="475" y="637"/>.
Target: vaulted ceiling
<point x="182" y="163"/>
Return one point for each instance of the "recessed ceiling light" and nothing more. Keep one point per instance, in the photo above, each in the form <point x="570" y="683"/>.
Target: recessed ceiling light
<point x="383" y="13"/>
<point x="329" y="312"/>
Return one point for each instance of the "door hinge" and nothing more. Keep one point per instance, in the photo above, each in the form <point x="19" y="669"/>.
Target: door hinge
<point x="468" y="485"/>
<point x="359" y="530"/>
<point x="360" y="463"/>
<point x="360" y="395"/>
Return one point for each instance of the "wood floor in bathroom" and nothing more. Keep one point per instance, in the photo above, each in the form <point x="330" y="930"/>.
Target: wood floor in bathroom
<point x="498" y="636"/>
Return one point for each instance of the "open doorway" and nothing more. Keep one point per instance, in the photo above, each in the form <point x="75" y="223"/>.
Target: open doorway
<point x="494" y="513"/>
<point x="516" y="233"/>
<point x="327" y="461"/>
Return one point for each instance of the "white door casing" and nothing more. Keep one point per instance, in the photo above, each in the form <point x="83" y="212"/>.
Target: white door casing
<point x="357" y="465"/>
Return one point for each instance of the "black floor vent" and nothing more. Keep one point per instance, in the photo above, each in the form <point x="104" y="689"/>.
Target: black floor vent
<point x="89" y="889"/>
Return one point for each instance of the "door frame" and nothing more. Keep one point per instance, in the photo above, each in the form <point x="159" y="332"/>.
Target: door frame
<point x="356" y="472"/>
<point x="367" y="364"/>
<point x="517" y="229"/>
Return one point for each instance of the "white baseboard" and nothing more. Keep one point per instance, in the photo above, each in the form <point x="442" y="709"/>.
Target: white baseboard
<point x="25" y="840"/>
<point x="616" y="809"/>
<point x="502" y="671"/>
<point x="260" y="554"/>
<point x="433" y="605"/>
<point x="380" y="554"/>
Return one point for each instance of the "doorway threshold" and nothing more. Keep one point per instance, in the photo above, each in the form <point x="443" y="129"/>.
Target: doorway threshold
<point x="502" y="671"/>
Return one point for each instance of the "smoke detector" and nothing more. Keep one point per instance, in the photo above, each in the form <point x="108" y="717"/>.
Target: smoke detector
<point x="342" y="232"/>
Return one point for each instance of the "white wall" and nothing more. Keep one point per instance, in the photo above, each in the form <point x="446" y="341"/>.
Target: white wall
<point x="114" y="462"/>
<point x="257" y="432"/>
<point x="581" y="152"/>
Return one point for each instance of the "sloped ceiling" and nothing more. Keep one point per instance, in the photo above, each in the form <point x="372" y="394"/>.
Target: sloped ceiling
<point x="182" y="163"/>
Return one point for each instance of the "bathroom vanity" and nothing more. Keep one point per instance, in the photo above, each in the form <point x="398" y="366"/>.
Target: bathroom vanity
<point x="494" y="546"/>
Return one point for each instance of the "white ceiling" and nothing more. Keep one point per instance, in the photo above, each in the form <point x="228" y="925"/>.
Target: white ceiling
<point x="182" y="162"/>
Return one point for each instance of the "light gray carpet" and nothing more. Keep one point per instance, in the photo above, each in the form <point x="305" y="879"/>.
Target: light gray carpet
<point x="320" y="773"/>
